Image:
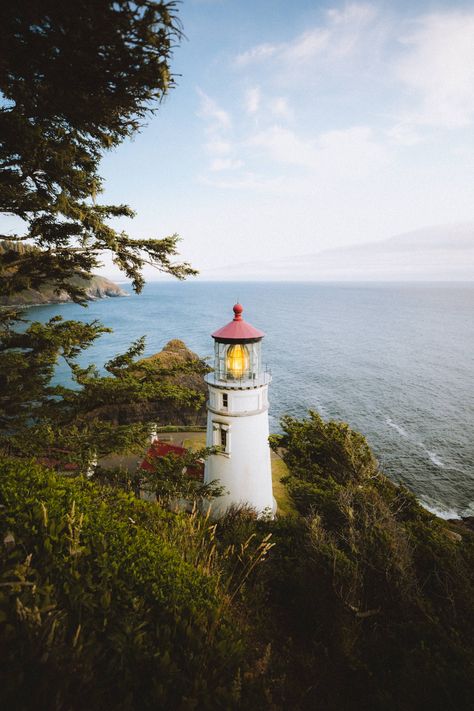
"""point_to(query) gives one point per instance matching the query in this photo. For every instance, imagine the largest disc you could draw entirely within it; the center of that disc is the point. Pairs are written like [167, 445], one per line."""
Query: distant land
[96, 287]
[441, 253]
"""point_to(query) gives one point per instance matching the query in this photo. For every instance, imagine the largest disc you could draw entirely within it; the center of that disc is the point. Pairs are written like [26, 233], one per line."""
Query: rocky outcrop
[96, 287]
[176, 365]
[462, 525]
[100, 287]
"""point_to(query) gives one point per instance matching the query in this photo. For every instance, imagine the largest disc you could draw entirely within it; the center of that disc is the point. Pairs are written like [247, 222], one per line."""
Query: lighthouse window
[225, 400]
[221, 437]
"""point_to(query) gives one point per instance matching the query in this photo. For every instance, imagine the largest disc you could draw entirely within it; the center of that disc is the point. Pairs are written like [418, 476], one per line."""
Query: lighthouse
[237, 419]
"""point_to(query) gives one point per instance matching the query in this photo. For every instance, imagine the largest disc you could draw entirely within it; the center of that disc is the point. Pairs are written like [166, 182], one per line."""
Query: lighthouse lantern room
[237, 419]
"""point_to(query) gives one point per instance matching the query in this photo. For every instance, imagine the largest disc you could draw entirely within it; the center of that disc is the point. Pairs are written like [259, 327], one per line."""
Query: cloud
[281, 108]
[404, 134]
[219, 124]
[262, 106]
[306, 46]
[336, 37]
[353, 13]
[252, 100]
[284, 146]
[218, 146]
[256, 54]
[210, 110]
[219, 164]
[246, 181]
[437, 69]
[346, 154]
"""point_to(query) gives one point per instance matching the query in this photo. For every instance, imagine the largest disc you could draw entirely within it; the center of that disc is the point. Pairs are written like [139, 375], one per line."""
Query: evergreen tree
[76, 79]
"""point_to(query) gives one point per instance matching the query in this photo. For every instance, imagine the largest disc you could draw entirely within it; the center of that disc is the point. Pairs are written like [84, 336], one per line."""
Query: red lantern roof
[238, 329]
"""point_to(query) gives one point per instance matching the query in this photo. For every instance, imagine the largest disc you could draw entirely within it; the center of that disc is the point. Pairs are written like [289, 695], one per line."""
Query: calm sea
[394, 361]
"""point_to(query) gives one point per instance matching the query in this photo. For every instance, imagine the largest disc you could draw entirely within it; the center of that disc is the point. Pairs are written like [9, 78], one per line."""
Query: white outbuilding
[237, 419]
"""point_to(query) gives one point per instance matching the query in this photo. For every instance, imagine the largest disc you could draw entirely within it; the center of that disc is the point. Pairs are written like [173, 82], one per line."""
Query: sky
[303, 126]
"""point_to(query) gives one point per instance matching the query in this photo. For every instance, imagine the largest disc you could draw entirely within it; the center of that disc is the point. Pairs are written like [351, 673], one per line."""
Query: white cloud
[341, 154]
[219, 125]
[307, 45]
[247, 181]
[257, 105]
[325, 145]
[438, 70]
[210, 110]
[340, 33]
[219, 146]
[354, 13]
[283, 145]
[281, 108]
[258, 53]
[219, 164]
[404, 134]
[252, 100]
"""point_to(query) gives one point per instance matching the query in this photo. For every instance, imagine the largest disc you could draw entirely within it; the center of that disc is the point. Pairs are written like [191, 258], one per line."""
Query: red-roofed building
[158, 449]
[58, 459]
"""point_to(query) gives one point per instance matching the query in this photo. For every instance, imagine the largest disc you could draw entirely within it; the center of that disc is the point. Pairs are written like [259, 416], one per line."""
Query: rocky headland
[182, 398]
[96, 287]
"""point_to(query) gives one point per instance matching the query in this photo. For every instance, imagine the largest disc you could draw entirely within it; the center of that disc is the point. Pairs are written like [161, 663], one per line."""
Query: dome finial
[238, 308]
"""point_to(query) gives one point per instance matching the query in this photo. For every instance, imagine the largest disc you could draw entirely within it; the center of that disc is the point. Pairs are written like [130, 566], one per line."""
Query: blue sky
[301, 126]
[297, 127]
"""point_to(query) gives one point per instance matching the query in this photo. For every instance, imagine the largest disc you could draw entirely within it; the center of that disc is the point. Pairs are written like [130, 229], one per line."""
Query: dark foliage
[75, 80]
[107, 602]
[364, 601]
[370, 597]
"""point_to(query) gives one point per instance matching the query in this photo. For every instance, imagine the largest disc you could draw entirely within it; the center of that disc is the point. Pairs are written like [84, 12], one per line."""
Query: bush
[107, 601]
[373, 595]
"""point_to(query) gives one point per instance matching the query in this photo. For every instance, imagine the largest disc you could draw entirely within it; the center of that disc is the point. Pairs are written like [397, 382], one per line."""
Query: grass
[196, 443]
[279, 470]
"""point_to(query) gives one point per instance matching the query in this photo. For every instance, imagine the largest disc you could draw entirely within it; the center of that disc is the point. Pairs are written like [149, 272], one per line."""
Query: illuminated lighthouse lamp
[238, 350]
[237, 419]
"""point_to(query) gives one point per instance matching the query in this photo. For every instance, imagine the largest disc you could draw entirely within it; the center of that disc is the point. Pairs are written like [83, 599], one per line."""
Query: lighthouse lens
[237, 361]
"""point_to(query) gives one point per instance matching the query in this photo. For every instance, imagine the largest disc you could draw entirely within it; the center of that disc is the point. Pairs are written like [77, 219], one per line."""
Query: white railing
[248, 381]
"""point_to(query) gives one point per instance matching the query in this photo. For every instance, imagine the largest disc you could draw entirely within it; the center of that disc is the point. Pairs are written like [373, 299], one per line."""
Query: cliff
[96, 287]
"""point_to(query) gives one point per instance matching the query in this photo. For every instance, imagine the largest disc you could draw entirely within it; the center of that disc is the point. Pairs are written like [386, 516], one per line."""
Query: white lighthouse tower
[237, 419]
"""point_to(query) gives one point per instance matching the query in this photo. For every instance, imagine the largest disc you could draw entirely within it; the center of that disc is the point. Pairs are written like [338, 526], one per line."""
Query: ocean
[395, 361]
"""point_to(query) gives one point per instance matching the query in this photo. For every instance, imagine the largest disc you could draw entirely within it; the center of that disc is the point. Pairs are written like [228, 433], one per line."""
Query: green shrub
[107, 601]
[372, 595]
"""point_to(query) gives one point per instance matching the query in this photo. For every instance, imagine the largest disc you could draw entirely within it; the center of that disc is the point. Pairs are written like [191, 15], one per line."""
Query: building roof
[56, 458]
[161, 449]
[237, 329]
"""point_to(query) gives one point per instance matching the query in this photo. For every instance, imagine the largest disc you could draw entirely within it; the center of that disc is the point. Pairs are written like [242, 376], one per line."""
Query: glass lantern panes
[237, 361]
